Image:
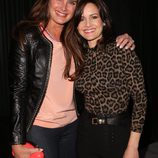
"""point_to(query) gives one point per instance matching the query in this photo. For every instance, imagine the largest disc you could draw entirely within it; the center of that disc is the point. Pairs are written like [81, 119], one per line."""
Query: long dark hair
[38, 14]
[74, 44]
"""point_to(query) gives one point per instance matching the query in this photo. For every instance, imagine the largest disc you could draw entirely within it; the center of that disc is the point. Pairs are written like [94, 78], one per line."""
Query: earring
[104, 24]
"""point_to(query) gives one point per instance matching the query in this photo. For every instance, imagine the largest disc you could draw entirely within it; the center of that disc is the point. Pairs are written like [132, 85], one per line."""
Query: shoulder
[33, 34]
[24, 31]
[124, 56]
[112, 47]
[25, 37]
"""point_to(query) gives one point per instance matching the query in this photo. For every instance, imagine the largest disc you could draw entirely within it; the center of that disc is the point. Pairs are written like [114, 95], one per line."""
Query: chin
[62, 21]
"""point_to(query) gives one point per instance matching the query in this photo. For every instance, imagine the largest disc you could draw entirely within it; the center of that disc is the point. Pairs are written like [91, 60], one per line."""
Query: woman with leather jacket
[41, 82]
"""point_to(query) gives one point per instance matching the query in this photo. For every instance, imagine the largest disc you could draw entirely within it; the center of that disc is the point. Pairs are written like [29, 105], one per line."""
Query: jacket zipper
[44, 89]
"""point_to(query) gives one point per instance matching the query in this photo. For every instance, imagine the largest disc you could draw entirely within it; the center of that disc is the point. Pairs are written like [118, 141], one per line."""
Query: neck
[92, 44]
[55, 30]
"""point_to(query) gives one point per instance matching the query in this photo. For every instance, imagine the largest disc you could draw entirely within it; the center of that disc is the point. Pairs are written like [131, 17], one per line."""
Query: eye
[73, 2]
[94, 17]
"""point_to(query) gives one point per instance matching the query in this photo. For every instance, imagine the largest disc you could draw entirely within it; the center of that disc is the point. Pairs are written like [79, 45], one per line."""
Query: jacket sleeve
[18, 69]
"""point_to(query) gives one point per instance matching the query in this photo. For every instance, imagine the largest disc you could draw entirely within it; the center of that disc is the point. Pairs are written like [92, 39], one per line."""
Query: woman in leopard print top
[109, 78]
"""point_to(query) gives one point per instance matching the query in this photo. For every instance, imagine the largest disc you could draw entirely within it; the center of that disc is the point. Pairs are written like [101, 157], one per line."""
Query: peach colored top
[58, 108]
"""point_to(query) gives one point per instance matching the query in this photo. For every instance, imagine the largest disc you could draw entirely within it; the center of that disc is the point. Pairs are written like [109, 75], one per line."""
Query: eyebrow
[72, 0]
[91, 14]
[94, 14]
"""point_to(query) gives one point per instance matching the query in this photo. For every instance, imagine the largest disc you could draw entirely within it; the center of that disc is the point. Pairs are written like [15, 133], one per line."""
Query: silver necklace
[50, 35]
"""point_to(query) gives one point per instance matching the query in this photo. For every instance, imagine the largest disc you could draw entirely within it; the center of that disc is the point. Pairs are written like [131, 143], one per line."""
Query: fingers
[127, 44]
[120, 38]
[34, 150]
[21, 151]
[125, 41]
[130, 45]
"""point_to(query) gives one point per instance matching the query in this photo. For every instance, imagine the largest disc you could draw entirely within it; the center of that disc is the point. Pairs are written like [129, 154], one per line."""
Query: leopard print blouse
[111, 77]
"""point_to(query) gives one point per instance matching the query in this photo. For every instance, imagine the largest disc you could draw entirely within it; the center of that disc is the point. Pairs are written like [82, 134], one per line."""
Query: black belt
[109, 120]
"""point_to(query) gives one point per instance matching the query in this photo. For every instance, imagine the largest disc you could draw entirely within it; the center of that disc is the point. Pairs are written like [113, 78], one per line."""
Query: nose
[87, 22]
[64, 4]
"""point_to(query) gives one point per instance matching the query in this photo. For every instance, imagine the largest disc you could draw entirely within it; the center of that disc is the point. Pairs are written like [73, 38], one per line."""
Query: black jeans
[56, 142]
[101, 141]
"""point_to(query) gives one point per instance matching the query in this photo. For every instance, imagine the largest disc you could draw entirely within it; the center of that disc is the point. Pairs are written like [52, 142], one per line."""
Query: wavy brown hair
[75, 45]
[38, 14]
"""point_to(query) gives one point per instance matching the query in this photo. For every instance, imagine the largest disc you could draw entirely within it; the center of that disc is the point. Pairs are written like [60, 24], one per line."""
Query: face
[91, 24]
[61, 11]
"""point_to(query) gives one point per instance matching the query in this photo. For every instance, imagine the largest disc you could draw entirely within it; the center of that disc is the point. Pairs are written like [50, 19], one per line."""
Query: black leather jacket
[29, 72]
[29, 75]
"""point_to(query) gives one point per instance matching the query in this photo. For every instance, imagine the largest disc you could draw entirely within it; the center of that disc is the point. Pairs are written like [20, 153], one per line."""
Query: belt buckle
[94, 121]
[102, 121]
[99, 121]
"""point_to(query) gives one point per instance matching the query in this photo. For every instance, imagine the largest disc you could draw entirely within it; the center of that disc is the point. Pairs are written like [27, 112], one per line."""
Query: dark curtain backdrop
[138, 18]
[11, 11]
[150, 57]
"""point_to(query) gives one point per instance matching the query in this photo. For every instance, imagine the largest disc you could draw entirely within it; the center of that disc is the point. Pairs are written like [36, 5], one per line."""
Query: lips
[61, 14]
[89, 30]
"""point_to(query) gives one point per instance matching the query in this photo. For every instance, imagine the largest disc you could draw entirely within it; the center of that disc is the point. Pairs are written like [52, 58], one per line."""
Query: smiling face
[91, 25]
[61, 11]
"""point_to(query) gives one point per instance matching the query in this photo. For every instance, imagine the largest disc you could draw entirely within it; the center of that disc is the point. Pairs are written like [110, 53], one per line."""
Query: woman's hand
[132, 147]
[125, 41]
[131, 152]
[23, 152]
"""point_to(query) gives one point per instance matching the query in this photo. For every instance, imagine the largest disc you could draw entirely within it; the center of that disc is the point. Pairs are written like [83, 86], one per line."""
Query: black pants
[56, 142]
[101, 141]
[152, 151]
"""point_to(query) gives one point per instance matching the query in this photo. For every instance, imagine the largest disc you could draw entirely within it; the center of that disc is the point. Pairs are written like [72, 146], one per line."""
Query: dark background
[137, 18]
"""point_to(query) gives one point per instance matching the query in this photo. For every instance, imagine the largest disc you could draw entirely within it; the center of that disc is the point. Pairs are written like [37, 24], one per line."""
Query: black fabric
[120, 12]
[101, 141]
[10, 13]
[79, 98]
[30, 69]
[119, 119]
[152, 151]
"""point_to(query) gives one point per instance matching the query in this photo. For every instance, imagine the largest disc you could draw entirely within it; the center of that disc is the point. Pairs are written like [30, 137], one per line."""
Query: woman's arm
[18, 82]
[132, 147]
[17, 85]
[139, 97]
